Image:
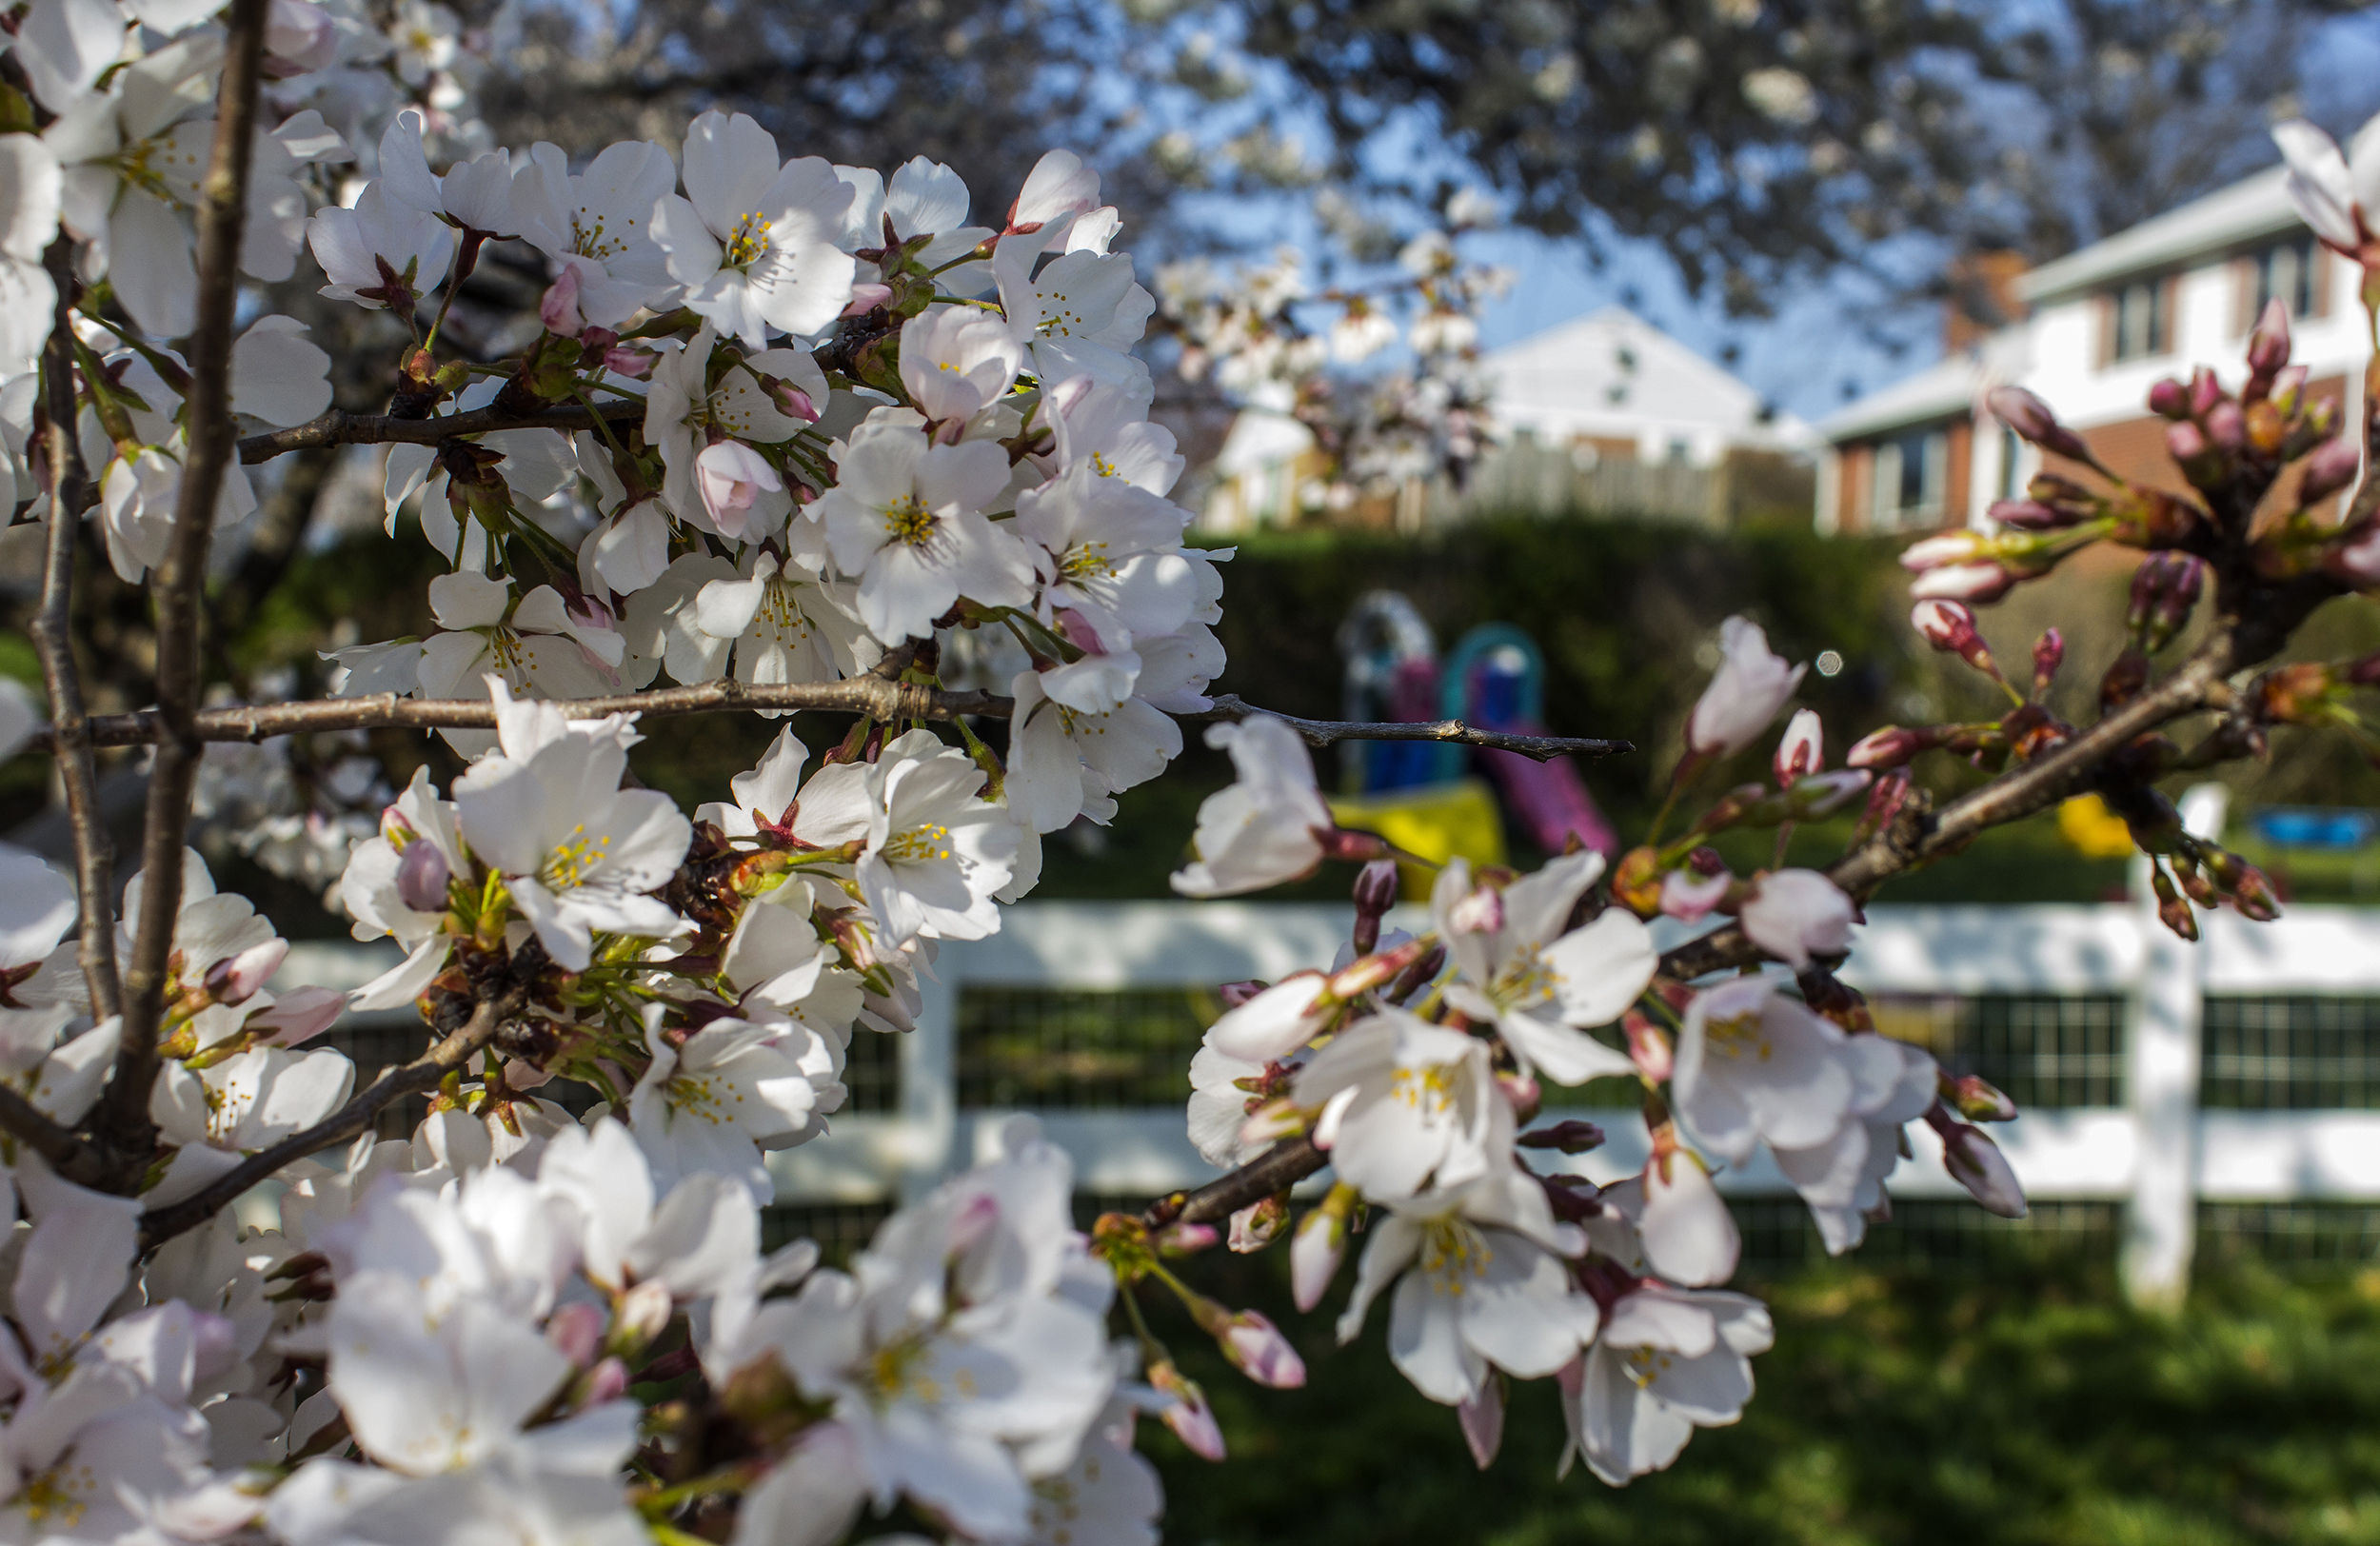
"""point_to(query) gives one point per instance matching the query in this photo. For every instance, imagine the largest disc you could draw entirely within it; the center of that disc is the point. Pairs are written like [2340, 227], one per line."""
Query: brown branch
[1276, 1170]
[2011, 796]
[337, 428]
[53, 629]
[861, 695]
[498, 1003]
[123, 1124]
[1331, 732]
[869, 694]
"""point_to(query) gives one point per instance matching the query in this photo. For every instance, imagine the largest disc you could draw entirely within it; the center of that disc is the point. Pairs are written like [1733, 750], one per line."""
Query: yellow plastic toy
[1435, 821]
[2095, 831]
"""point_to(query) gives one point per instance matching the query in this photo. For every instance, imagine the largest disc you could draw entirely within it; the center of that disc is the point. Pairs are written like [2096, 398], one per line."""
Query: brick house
[2090, 333]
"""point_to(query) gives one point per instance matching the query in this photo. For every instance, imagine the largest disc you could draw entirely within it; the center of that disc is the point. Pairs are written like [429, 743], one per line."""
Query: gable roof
[1612, 373]
[2252, 210]
[1941, 390]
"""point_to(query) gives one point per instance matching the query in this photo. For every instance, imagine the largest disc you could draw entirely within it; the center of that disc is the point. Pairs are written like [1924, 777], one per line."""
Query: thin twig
[869, 694]
[124, 1124]
[1331, 732]
[53, 629]
[337, 428]
[347, 1122]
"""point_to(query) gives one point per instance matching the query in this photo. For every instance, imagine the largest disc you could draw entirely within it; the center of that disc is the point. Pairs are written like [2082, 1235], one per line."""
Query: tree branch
[53, 629]
[1331, 732]
[2011, 796]
[124, 1126]
[1277, 1169]
[869, 694]
[337, 428]
[349, 1122]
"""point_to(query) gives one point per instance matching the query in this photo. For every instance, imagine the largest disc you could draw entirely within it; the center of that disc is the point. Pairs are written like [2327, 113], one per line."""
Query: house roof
[1942, 389]
[2252, 209]
[1612, 373]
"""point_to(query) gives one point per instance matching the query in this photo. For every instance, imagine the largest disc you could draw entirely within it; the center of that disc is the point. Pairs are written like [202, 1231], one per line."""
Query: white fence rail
[2157, 1153]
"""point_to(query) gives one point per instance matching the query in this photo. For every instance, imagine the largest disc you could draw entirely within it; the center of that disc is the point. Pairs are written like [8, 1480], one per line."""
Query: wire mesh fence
[2290, 1237]
[2046, 1051]
[1072, 1049]
[1778, 1237]
[2303, 1053]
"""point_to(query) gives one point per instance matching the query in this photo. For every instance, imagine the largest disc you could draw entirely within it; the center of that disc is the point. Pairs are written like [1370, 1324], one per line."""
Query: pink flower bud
[1965, 582]
[641, 1314]
[2356, 559]
[423, 877]
[298, 1017]
[2185, 441]
[1649, 1047]
[632, 363]
[1185, 1240]
[867, 298]
[1259, 1224]
[1978, 1101]
[1320, 1245]
[2030, 417]
[1186, 1413]
[732, 477]
[2030, 515]
[796, 402]
[2205, 392]
[607, 1381]
[2269, 345]
[577, 1331]
[1483, 1419]
[559, 310]
[238, 979]
[1690, 897]
[1375, 893]
[1802, 748]
[1951, 548]
[2330, 467]
[1949, 625]
[2049, 653]
[2227, 425]
[1976, 1163]
[2170, 399]
[1339, 842]
[1256, 1349]
[1570, 1135]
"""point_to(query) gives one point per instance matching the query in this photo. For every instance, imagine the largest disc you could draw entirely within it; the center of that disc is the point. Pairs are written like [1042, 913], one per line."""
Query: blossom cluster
[1248, 329]
[1416, 1066]
[826, 433]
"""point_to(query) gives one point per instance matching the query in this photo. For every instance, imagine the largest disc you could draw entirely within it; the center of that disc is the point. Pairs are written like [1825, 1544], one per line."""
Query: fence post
[929, 1079]
[2162, 1048]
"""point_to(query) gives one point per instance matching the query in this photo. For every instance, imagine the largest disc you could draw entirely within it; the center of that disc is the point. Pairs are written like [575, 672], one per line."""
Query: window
[1911, 471]
[2140, 321]
[2289, 271]
[2011, 448]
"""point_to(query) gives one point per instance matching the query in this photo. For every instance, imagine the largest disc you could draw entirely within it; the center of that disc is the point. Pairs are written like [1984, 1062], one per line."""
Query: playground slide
[1549, 801]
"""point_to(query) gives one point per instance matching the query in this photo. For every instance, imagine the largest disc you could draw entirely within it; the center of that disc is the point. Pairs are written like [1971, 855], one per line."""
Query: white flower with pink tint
[1751, 685]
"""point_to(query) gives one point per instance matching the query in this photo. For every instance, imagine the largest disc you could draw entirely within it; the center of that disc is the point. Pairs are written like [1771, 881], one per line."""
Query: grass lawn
[2018, 1400]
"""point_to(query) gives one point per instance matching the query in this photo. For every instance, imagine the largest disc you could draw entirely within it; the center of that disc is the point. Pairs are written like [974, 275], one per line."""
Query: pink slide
[1549, 800]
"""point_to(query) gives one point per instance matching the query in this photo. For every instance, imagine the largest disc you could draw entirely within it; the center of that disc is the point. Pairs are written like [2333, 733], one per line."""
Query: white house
[1605, 411]
[2101, 326]
[1613, 381]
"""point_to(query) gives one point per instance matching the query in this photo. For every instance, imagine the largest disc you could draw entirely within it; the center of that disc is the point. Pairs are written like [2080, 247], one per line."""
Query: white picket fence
[2158, 1154]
